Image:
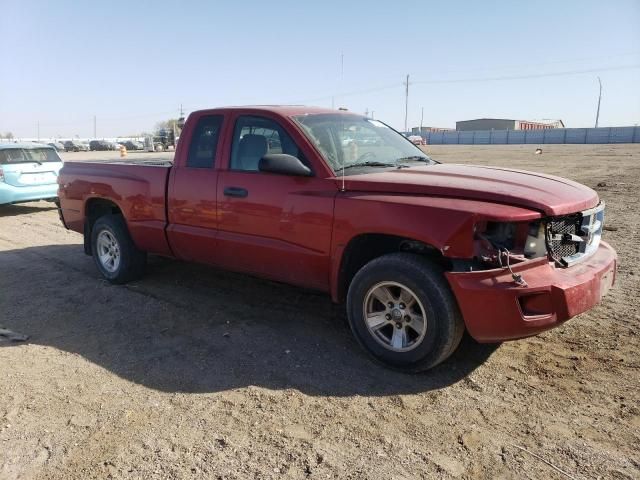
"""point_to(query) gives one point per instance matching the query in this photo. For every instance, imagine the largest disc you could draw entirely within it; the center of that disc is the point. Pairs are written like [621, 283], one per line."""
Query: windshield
[355, 141]
[28, 155]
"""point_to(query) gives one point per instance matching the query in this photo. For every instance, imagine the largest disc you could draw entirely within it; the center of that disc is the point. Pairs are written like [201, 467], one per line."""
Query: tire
[123, 262]
[394, 336]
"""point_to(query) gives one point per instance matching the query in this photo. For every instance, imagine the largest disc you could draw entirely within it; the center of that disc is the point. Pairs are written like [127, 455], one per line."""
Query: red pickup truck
[342, 203]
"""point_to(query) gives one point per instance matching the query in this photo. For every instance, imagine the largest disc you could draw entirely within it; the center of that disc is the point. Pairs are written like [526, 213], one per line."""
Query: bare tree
[167, 124]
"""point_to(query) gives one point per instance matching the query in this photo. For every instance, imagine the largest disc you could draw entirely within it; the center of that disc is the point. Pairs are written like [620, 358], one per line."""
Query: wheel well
[364, 248]
[94, 209]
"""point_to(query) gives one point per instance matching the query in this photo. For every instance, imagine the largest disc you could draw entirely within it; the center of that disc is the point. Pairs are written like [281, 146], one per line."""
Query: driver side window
[254, 137]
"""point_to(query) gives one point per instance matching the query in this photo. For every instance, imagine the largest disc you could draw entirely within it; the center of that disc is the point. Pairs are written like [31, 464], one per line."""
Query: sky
[131, 64]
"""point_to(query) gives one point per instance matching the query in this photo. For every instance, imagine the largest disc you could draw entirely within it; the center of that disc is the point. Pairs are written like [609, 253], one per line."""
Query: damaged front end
[563, 240]
[502, 245]
[572, 238]
[533, 275]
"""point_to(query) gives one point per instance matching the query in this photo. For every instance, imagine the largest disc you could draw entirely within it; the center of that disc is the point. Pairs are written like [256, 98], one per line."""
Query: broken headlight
[523, 239]
[535, 245]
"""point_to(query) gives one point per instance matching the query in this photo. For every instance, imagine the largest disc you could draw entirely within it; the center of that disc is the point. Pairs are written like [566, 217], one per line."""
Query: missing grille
[559, 233]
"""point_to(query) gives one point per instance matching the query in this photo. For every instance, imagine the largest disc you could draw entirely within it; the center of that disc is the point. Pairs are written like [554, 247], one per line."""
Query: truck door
[192, 200]
[272, 225]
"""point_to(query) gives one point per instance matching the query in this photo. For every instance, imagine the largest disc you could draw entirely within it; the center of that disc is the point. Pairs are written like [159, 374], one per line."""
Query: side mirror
[283, 164]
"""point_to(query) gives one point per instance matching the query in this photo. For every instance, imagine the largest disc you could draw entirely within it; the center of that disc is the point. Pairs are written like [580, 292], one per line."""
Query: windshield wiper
[415, 158]
[369, 164]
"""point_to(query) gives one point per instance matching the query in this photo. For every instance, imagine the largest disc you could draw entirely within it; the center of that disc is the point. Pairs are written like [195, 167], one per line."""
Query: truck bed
[137, 188]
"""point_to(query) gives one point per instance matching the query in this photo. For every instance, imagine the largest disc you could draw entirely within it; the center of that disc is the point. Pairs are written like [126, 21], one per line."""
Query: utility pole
[599, 98]
[94, 127]
[366, 112]
[372, 112]
[421, 119]
[406, 102]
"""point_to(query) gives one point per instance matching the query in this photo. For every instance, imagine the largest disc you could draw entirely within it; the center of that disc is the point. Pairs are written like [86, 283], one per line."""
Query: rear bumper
[12, 194]
[496, 309]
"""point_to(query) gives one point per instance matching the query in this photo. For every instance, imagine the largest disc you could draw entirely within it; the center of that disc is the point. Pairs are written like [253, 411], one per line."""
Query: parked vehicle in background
[418, 250]
[100, 145]
[132, 145]
[75, 146]
[59, 146]
[417, 140]
[164, 140]
[28, 172]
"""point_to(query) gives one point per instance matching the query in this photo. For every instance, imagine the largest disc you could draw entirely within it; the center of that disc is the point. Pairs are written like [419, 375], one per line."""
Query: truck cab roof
[284, 110]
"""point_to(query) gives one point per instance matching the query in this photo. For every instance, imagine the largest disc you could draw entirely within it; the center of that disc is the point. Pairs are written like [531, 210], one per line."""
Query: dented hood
[545, 193]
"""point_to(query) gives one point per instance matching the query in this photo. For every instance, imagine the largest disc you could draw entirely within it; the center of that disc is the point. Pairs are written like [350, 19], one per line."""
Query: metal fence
[554, 135]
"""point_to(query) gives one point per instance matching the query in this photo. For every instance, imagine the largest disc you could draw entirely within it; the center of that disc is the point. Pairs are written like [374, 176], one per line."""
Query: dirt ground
[197, 373]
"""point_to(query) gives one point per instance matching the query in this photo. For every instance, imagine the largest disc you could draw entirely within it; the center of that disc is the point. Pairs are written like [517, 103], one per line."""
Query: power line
[83, 121]
[491, 68]
[476, 79]
[144, 115]
[533, 75]
[539, 64]
[350, 93]
[380, 88]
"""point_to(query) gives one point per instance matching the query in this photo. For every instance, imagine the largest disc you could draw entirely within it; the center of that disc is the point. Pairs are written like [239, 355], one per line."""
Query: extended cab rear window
[204, 142]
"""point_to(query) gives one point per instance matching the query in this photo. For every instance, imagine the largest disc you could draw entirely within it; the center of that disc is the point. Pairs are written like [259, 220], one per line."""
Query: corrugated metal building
[416, 130]
[505, 124]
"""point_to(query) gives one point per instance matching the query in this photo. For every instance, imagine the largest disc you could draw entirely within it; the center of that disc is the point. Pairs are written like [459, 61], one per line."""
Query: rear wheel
[402, 311]
[114, 253]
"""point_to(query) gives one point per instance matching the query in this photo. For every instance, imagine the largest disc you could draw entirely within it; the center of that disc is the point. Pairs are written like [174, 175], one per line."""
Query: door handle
[236, 192]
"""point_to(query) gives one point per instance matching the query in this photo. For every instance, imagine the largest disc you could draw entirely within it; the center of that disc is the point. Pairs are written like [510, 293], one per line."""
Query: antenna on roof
[343, 171]
[342, 109]
[342, 153]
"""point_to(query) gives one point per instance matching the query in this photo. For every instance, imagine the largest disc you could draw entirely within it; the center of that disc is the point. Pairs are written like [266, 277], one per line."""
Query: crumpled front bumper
[495, 308]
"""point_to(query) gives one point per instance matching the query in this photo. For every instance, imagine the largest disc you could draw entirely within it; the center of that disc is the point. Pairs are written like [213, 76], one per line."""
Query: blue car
[28, 172]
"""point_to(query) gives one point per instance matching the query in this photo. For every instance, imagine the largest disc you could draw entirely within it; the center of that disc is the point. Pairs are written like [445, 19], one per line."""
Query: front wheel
[402, 311]
[114, 253]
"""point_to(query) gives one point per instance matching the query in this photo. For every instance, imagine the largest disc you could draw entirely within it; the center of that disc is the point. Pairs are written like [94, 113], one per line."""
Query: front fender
[446, 224]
